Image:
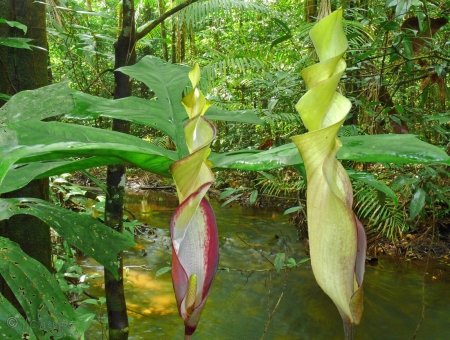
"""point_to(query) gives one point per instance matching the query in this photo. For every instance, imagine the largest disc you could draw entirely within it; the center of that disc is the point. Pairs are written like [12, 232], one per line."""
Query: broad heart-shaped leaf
[32, 141]
[12, 324]
[48, 312]
[84, 232]
[400, 149]
[167, 81]
[20, 175]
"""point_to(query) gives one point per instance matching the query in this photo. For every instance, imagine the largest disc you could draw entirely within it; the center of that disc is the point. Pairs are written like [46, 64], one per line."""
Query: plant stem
[349, 330]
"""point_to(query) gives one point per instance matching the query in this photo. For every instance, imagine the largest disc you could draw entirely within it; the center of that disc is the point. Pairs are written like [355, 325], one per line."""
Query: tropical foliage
[251, 55]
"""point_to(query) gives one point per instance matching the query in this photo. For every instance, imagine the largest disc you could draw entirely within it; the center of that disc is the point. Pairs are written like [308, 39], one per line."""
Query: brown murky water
[243, 297]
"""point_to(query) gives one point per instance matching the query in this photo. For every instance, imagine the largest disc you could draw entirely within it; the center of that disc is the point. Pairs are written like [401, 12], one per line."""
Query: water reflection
[242, 298]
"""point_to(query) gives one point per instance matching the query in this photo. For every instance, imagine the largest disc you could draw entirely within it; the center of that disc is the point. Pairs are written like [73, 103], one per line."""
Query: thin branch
[260, 252]
[7, 76]
[276, 305]
[423, 297]
[156, 22]
[96, 78]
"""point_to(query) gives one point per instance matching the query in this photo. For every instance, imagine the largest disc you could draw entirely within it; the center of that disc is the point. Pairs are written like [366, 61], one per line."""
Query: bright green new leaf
[253, 197]
[292, 210]
[417, 203]
[14, 24]
[280, 259]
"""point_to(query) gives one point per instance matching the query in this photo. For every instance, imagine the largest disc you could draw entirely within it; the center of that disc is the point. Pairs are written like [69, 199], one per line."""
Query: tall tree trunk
[20, 70]
[310, 10]
[115, 180]
[162, 9]
[174, 41]
[125, 54]
[324, 9]
[183, 37]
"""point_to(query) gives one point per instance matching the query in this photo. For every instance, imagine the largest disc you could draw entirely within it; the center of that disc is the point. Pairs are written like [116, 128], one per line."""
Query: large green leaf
[48, 312]
[244, 116]
[33, 141]
[152, 113]
[44, 102]
[401, 149]
[133, 109]
[84, 232]
[20, 175]
[13, 325]
[255, 160]
[391, 149]
[167, 81]
[165, 112]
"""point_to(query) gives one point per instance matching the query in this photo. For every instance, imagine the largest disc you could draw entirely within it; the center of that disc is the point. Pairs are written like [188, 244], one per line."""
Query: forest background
[251, 55]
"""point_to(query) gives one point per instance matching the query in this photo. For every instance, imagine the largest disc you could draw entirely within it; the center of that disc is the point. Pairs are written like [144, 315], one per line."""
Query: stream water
[396, 293]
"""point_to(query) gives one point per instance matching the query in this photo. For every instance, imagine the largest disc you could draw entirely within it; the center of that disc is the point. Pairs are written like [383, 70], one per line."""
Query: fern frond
[282, 117]
[275, 184]
[385, 218]
[196, 13]
[358, 34]
[348, 131]
[215, 70]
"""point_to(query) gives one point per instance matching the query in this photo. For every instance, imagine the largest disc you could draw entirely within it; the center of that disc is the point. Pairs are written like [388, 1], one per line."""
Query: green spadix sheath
[336, 237]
